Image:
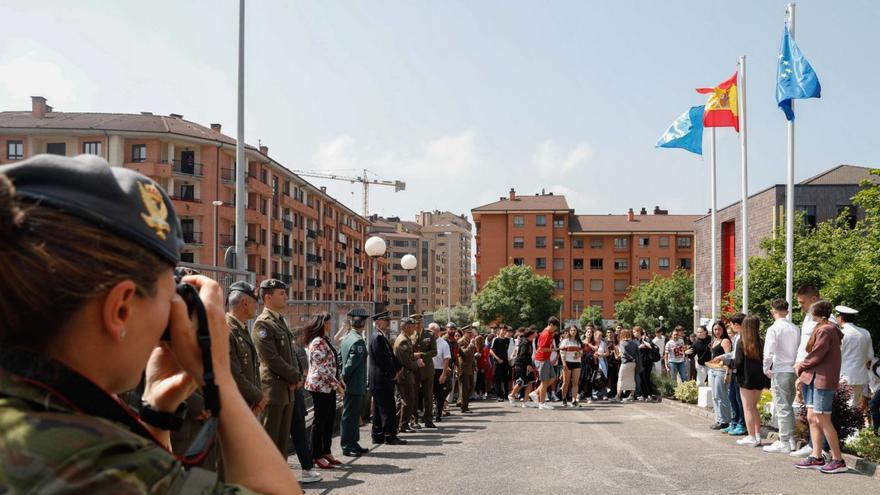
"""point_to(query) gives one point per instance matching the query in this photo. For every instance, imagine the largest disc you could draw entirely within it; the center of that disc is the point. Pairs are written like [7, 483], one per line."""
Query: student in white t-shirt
[571, 349]
[674, 356]
[660, 341]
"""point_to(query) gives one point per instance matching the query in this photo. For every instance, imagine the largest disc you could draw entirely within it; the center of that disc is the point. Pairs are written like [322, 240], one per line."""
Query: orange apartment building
[313, 242]
[593, 260]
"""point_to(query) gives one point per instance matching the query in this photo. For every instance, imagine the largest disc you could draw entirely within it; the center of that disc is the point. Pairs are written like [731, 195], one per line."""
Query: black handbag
[598, 380]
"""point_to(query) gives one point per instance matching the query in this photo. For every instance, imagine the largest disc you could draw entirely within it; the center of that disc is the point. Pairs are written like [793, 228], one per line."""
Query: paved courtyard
[615, 448]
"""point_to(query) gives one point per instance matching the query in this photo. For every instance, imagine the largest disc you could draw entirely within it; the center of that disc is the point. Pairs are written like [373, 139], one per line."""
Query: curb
[855, 463]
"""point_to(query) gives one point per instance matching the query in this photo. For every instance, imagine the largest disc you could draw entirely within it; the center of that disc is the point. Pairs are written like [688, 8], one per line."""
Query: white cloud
[550, 156]
[450, 155]
[337, 154]
[40, 71]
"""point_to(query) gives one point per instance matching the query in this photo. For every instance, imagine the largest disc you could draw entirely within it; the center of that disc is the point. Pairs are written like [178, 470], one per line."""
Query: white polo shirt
[780, 346]
[443, 353]
[853, 355]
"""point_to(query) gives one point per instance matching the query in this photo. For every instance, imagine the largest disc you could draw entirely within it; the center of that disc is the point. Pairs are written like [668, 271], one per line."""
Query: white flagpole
[240, 163]
[741, 91]
[714, 244]
[789, 194]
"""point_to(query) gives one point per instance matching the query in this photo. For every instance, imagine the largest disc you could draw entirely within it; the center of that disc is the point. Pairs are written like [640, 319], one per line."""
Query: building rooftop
[640, 223]
[542, 201]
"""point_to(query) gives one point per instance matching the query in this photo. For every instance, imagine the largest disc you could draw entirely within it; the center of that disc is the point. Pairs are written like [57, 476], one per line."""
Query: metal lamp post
[408, 263]
[217, 204]
[661, 321]
[375, 247]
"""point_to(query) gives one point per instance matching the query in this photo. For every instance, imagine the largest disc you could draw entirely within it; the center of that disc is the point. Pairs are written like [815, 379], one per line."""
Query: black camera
[188, 293]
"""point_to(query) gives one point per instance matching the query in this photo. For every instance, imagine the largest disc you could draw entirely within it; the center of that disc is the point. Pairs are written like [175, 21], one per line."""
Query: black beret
[115, 198]
[273, 283]
[243, 287]
[384, 315]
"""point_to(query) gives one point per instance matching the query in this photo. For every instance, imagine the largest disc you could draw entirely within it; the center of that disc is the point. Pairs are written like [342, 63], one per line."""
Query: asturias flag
[686, 132]
[721, 108]
[795, 78]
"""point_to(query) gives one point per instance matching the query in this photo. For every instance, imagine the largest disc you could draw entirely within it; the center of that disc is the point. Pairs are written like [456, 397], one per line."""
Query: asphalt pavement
[609, 448]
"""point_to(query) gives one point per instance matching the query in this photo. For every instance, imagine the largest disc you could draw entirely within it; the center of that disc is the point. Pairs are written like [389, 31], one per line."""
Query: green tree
[461, 315]
[669, 297]
[517, 297]
[591, 314]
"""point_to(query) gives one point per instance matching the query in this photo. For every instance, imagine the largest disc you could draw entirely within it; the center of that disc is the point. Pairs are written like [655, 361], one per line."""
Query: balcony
[227, 174]
[386, 288]
[358, 288]
[192, 237]
[287, 252]
[357, 250]
[341, 265]
[358, 269]
[341, 285]
[311, 234]
[188, 168]
[277, 250]
[313, 258]
[226, 240]
[313, 282]
[189, 198]
[288, 224]
[287, 279]
[343, 243]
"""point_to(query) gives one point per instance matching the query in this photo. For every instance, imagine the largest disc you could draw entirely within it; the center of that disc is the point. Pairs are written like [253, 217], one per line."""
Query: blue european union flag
[795, 78]
[686, 132]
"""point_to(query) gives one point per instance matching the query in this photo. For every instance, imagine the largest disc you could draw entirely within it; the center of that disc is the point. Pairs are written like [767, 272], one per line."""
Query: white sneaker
[512, 400]
[778, 447]
[534, 396]
[792, 444]
[749, 441]
[310, 476]
[545, 406]
[530, 404]
[804, 451]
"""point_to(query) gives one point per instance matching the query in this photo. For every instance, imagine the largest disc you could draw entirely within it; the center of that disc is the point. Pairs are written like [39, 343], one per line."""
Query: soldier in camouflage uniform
[406, 382]
[87, 252]
[425, 347]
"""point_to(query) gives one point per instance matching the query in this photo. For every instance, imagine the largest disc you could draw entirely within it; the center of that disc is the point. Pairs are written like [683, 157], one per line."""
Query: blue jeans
[680, 369]
[736, 405]
[720, 399]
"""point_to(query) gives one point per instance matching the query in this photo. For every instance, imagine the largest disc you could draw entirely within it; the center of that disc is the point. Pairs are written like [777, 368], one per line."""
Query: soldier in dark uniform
[87, 253]
[280, 373]
[406, 381]
[425, 347]
[383, 371]
[466, 364]
[354, 374]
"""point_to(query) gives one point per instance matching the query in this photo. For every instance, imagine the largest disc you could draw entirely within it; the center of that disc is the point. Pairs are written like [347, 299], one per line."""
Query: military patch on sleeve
[262, 333]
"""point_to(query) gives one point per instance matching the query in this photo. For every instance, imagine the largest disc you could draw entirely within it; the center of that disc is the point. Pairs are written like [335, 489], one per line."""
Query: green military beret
[273, 283]
[244, 287]
[115, 198]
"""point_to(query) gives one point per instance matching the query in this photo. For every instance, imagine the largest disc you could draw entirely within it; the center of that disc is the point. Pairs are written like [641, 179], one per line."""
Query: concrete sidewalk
[615, 448]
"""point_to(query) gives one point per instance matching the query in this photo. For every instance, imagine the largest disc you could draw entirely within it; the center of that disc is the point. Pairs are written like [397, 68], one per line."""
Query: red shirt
[544, 340]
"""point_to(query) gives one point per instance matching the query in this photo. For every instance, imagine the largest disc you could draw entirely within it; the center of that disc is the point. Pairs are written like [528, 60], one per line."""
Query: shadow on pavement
[402, 455]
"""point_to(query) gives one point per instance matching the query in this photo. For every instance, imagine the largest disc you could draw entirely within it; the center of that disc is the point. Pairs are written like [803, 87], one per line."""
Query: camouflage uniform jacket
[47, 445]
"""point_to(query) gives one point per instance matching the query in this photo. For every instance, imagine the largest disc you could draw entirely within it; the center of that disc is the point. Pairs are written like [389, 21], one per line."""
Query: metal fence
[224, 276]
[298, 312]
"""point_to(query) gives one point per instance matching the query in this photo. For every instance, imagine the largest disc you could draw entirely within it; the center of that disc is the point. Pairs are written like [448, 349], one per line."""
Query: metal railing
[341, 265]
[192, 237]
[313, 258]
[227, 174]
[192, 169]
[313, 282]
[341, 285]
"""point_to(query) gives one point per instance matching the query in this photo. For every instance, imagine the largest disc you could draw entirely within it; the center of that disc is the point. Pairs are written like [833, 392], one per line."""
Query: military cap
[383, 315]
[416, 317]
[846, 310]
[451, 325]
[114, 198]
[407, 320]
[467, 328]
[358, 313]
[244, 287]
[273, 283]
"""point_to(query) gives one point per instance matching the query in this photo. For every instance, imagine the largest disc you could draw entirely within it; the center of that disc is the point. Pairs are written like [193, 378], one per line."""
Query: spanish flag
[721, 108]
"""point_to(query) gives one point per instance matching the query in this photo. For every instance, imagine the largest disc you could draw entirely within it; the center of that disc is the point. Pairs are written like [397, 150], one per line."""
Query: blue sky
[465, 99]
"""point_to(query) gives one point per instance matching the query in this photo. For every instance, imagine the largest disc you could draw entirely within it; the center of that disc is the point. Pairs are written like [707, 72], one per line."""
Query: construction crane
[364, 179]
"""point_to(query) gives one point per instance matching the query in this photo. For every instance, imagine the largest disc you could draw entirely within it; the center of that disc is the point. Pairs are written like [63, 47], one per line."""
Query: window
[620, 285]
[14, 150]
[518, 242]
[684, 263]
[558, 243]
[558, 264]
[644, 263]
[577, 264]
[519, 261]
[596, 285]
[578, 307]
[188, 192]
[264, 177]
[56, 148]
[540, 220]
[138, 153]
[187, 257]
[644, 241]
[621, 243]
[663, 241]
[809, 212]
[558, 223]
[92, 148]
[596, 243]
[540, 262]
[848, 212]
[559, 283]
[596, 304]
[518, 221]
[596, 263]
[577, 285]
[540, 242]
[577, 243]
[663, 263]
[621, 264]
[683, 242]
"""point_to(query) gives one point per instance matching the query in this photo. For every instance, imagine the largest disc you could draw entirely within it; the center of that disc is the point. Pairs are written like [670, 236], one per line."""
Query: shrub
[665, 385]
[687, 392]
[764, 407]
[866, 445]
[847, 420]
